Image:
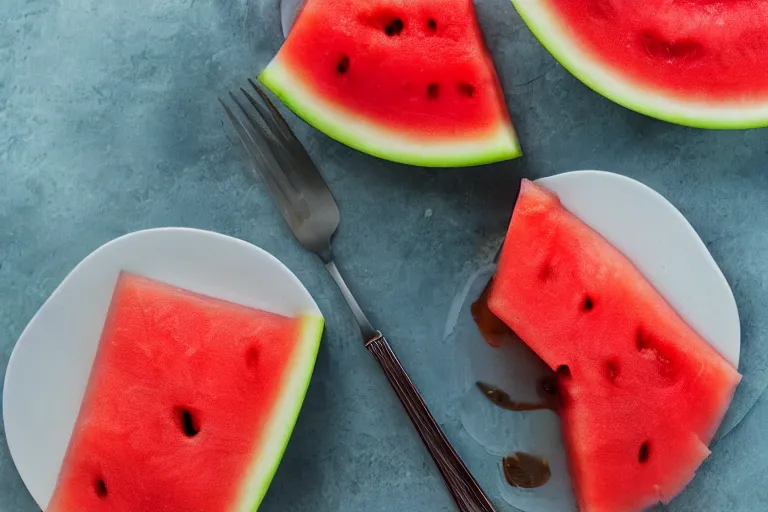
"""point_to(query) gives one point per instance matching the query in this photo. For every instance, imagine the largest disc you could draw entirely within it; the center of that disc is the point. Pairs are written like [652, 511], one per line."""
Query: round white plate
[49, 367]
[656, 237]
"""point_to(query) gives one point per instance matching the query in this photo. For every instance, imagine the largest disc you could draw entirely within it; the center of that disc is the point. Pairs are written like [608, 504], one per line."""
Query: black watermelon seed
[564, 371]
[432, 25]
[343, 65]
[466, 89]
[187, 422]
[645, 452]
[433, 90]
[100, 487]
[394, 27]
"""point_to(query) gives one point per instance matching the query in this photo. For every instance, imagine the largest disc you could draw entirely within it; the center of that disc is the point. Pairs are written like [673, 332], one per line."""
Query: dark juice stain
[520, 469]
[493, 330]
[525, 470]
[501, 399]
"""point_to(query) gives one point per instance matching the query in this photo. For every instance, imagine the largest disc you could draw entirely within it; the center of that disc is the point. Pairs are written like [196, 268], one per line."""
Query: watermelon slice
[642, 392]
[189, 405]
[696, 62]
[409, 81]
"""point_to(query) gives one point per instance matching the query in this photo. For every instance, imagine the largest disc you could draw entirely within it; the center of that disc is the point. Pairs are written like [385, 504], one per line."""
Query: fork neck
[366, 329]
[325, 254]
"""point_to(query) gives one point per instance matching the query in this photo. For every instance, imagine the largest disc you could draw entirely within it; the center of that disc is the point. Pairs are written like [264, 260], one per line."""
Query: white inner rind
[564, 45]
[277, 432]
[365, 135]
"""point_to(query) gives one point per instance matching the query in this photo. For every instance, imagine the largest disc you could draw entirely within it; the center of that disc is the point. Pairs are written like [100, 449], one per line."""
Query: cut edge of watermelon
[278, 431]
[383, 142]
[557, 38]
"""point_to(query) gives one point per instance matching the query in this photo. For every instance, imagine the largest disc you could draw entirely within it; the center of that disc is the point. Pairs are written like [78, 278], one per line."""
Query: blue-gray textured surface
[108, 124]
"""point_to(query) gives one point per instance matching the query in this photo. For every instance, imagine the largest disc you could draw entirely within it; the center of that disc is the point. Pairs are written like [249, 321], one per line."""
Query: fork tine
[297, 153]
[272, 166]
[242, 133]
[259, 159]
[280, 121]
[286, 154]
[250, 139]
[269, 123]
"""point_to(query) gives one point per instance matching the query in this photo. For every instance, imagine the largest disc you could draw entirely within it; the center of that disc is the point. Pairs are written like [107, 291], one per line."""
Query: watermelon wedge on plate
[699, 63]
[189, 406]
[411, 82]
[642, 393]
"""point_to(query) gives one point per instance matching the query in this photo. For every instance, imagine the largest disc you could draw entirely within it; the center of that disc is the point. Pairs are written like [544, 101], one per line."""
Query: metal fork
[310, 210]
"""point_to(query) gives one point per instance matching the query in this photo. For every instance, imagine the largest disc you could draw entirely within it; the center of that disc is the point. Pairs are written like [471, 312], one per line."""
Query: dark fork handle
[463, 486]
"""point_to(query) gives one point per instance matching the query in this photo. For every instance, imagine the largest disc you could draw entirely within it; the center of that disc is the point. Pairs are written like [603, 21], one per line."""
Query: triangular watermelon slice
[406, 80]
[189, 406]
[642, 392]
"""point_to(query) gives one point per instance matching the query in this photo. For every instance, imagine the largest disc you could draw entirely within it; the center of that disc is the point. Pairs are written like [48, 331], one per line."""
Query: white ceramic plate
[49, 367]
[656, 237]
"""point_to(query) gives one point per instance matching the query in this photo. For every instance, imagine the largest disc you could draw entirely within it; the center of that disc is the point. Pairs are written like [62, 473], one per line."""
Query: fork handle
[464, 488]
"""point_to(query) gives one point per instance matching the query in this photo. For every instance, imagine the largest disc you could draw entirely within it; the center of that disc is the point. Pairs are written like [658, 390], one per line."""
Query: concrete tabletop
[109, 123]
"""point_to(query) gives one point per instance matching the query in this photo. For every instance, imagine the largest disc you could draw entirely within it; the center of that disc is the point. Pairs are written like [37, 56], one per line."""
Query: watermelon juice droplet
[501, 398]
[526, 471]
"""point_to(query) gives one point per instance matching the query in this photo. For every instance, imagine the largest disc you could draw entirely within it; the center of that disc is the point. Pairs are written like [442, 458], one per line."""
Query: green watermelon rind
[383, 142]
[559, 40]
[278, 431]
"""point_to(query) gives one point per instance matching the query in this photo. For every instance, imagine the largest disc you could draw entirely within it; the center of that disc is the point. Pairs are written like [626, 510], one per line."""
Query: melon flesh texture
[189, 404]
[409, 81]
[699, 62]
[643, 394]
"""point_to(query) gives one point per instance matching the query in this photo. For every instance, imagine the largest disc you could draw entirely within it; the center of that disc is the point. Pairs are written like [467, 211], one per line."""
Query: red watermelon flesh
[406, 80]
[703, 49]
[189, 404]
[643, 393]
[443, 76]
